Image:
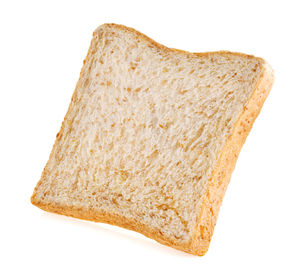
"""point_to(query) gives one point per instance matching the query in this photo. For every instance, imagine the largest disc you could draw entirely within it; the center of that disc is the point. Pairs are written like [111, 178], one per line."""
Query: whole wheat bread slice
[152, 136]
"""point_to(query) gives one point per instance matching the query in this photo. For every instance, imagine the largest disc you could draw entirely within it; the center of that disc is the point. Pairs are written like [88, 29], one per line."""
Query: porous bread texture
[144, 135]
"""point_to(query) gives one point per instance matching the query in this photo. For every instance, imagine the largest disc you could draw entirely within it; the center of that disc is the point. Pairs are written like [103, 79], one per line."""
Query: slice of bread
[152, 136]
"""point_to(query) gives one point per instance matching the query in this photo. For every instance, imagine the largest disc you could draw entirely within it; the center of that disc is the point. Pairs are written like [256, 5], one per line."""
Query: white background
[42, 47]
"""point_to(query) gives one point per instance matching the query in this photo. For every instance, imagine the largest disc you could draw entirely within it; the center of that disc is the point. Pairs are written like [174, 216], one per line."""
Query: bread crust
[212, 198]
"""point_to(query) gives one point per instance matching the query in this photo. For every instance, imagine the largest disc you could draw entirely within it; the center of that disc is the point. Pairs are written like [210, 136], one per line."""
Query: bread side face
[217, 183]
[144, 135]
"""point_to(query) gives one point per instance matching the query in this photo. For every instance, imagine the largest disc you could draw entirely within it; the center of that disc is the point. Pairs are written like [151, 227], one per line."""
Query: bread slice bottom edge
[97, 215]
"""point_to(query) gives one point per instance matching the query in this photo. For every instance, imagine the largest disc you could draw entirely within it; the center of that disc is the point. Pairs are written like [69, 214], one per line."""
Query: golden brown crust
[220, 178]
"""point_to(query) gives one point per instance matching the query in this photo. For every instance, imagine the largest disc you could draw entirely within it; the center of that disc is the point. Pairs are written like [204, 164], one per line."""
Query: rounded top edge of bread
[264, 64]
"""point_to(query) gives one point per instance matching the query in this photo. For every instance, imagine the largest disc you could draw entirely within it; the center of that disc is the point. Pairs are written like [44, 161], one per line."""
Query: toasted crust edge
[211, 202]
